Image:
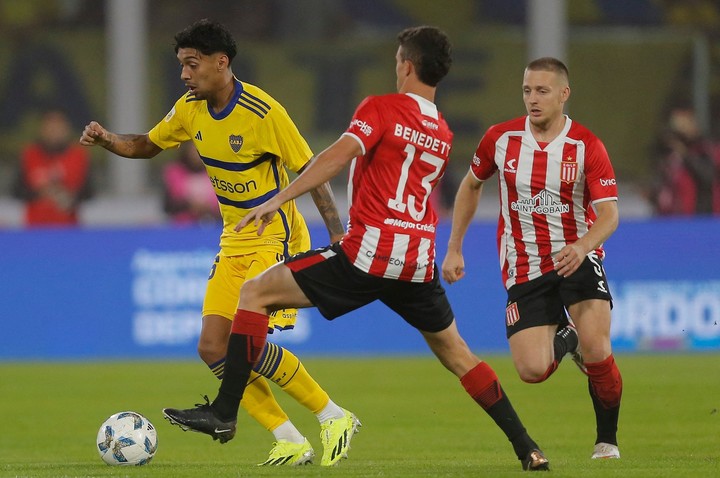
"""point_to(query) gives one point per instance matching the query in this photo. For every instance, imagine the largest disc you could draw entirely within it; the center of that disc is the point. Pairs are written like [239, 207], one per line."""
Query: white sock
[331, 410]
[288, 432]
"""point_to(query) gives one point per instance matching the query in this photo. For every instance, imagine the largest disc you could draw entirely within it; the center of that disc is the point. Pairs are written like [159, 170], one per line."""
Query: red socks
[606, 381]
[255, 327]
[482, 384]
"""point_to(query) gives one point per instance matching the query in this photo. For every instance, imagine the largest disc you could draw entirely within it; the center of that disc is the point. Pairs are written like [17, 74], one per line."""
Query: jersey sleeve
[599, 173]
[483, 162]
[282, 138]
[366, 124]
[170, 131]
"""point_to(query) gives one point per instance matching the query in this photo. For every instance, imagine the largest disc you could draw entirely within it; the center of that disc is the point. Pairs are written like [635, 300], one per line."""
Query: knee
[210, 351]
[250, 294]
[533, 373]
[595, 351]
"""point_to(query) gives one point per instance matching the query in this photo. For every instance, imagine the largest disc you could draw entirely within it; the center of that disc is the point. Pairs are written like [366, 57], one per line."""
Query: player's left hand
[453, 267]
[568, 260]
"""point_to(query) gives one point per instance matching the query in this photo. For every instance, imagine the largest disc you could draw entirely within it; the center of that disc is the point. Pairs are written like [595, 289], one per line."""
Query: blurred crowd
[53, 176]
[188, 194]
[686, 168]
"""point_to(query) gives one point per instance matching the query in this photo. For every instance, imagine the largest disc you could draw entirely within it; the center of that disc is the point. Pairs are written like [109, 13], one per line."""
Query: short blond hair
[548, 63]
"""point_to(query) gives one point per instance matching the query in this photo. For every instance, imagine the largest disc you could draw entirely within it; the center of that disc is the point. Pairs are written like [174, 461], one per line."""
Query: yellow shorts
[227, 276]
[229, 273]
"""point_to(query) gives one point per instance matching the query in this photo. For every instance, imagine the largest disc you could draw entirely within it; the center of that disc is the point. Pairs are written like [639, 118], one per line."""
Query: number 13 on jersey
[400, 202]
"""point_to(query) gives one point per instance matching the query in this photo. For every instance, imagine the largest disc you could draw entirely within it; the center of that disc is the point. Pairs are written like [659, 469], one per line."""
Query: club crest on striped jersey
[568, 170]
[512, 314]
[236, 142]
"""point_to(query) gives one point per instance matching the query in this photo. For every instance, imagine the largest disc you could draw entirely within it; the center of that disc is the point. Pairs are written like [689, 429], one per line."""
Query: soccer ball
[127, 438]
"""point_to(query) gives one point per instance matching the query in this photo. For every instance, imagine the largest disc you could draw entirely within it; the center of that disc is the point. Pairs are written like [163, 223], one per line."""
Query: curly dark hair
[429, 49]
[207, 37]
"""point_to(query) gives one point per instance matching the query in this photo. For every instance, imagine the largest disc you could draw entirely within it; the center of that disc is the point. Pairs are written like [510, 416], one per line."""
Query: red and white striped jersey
[406, 144]
[546, 192]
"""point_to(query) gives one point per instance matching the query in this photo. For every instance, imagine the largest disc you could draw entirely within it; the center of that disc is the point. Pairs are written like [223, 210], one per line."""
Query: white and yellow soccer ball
[127, 438]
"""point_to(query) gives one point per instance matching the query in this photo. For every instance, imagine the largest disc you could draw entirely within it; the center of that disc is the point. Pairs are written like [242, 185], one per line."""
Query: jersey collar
[233, 101]
[427, 107]
[560, 138]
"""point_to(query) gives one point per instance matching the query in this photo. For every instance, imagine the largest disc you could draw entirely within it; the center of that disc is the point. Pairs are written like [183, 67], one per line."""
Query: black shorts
[336, 287]
[543, 301]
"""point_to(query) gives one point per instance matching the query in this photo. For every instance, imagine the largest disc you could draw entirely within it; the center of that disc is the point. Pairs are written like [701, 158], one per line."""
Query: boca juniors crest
[236, 142]
[568, 170]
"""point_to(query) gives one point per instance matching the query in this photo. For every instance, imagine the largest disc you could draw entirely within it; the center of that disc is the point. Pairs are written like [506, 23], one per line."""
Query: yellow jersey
[246, 149]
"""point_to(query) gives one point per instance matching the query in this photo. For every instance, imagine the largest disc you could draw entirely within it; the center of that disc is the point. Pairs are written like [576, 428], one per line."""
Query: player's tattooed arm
[325, 203]
[127, 145]
[324, 200]
[132, 145]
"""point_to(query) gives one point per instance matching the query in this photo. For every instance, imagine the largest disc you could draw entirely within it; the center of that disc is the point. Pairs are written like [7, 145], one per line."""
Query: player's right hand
[261, 216]
[94, 134]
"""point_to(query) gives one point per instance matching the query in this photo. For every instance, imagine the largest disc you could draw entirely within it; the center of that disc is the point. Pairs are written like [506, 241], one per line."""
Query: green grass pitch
[417, 420]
